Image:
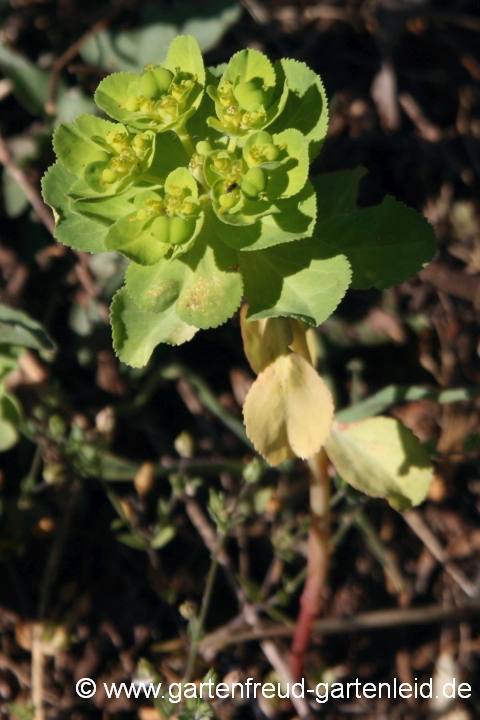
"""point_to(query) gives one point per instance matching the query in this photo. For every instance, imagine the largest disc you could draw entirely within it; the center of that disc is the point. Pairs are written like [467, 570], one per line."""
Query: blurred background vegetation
[113, 480]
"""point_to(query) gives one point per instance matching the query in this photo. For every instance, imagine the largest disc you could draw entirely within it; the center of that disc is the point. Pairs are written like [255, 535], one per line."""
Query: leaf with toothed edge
[82, 142]
[294, 218]
[337, 192]
[304, 280]
[136, 333]
[306, 107]
[204, 283]
[71, 229]
[385, 244]
[111, 94]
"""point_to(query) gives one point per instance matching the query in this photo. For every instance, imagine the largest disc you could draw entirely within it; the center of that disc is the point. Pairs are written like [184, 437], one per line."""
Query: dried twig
[31, 192]
[363, 622]
[416, 523]
[71, 53]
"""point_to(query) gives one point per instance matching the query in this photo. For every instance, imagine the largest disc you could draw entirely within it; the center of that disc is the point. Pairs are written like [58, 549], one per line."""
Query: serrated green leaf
[385, 244]
[288, 411]
[185, 55]
[204, 283]
[180, 177]
[304, 280]
[294, 218]
[291, 176]
[136, 333]
[103, 210]
[249, 64]
[71, 229]
[381, 458]
[112, 94]
[306, 107]
[83, 142]
[18, 328]
[337, 192]
[134, 240]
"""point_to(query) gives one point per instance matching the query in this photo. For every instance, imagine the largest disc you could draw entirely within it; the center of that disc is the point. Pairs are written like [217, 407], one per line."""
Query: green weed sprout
[201, 179]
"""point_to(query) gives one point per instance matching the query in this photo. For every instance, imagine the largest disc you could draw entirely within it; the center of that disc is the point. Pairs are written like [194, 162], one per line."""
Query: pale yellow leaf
[264, 340]
[288, 411]
[381, 457]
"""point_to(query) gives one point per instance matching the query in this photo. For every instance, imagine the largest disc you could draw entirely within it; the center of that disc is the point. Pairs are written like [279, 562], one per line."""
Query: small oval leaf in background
[381, 457]
[18, 328]
[10, 417]
[288, 411]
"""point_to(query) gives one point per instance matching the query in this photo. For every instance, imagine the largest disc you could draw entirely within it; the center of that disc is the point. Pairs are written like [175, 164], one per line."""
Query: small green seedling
[201, 179]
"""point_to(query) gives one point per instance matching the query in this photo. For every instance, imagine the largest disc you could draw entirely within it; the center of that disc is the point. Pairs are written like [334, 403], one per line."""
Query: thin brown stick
[31, 192]
[71, 53]
[37, 671]
[363, 622]
[416, 523]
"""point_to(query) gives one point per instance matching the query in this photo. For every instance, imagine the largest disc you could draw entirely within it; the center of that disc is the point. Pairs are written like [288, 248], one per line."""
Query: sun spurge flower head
[200, 179]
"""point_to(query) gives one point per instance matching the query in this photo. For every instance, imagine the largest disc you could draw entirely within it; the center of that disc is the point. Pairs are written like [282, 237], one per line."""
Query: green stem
[379, 551]
[187, 143]
[232, 144]
[204, 609]
[208, 400]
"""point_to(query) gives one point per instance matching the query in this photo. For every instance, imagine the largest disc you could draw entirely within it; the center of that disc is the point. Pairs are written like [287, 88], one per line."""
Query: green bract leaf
[248, 96]
[292, 218]
[136, 333]
[304, 280]
[337, 192]
[147, 235]
[204, 283]
[133, 238]
[385, 244]
[184, 54]
[162, 97]
[83, 142]
[382, 458]
[288, 411]
[112, 94]
[306, 107]
[103, 210]
[73, 230]
[105, 156]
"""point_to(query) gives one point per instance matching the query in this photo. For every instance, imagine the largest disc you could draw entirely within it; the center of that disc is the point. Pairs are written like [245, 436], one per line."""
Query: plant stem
[313, 595]
[232, 144]
[204, 609]
[187, 143]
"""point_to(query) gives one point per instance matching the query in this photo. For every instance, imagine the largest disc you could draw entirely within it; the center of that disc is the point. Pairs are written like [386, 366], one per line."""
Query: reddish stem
[313, 596]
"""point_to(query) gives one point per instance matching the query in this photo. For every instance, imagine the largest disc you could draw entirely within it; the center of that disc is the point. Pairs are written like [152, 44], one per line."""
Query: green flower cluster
[200, 179]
